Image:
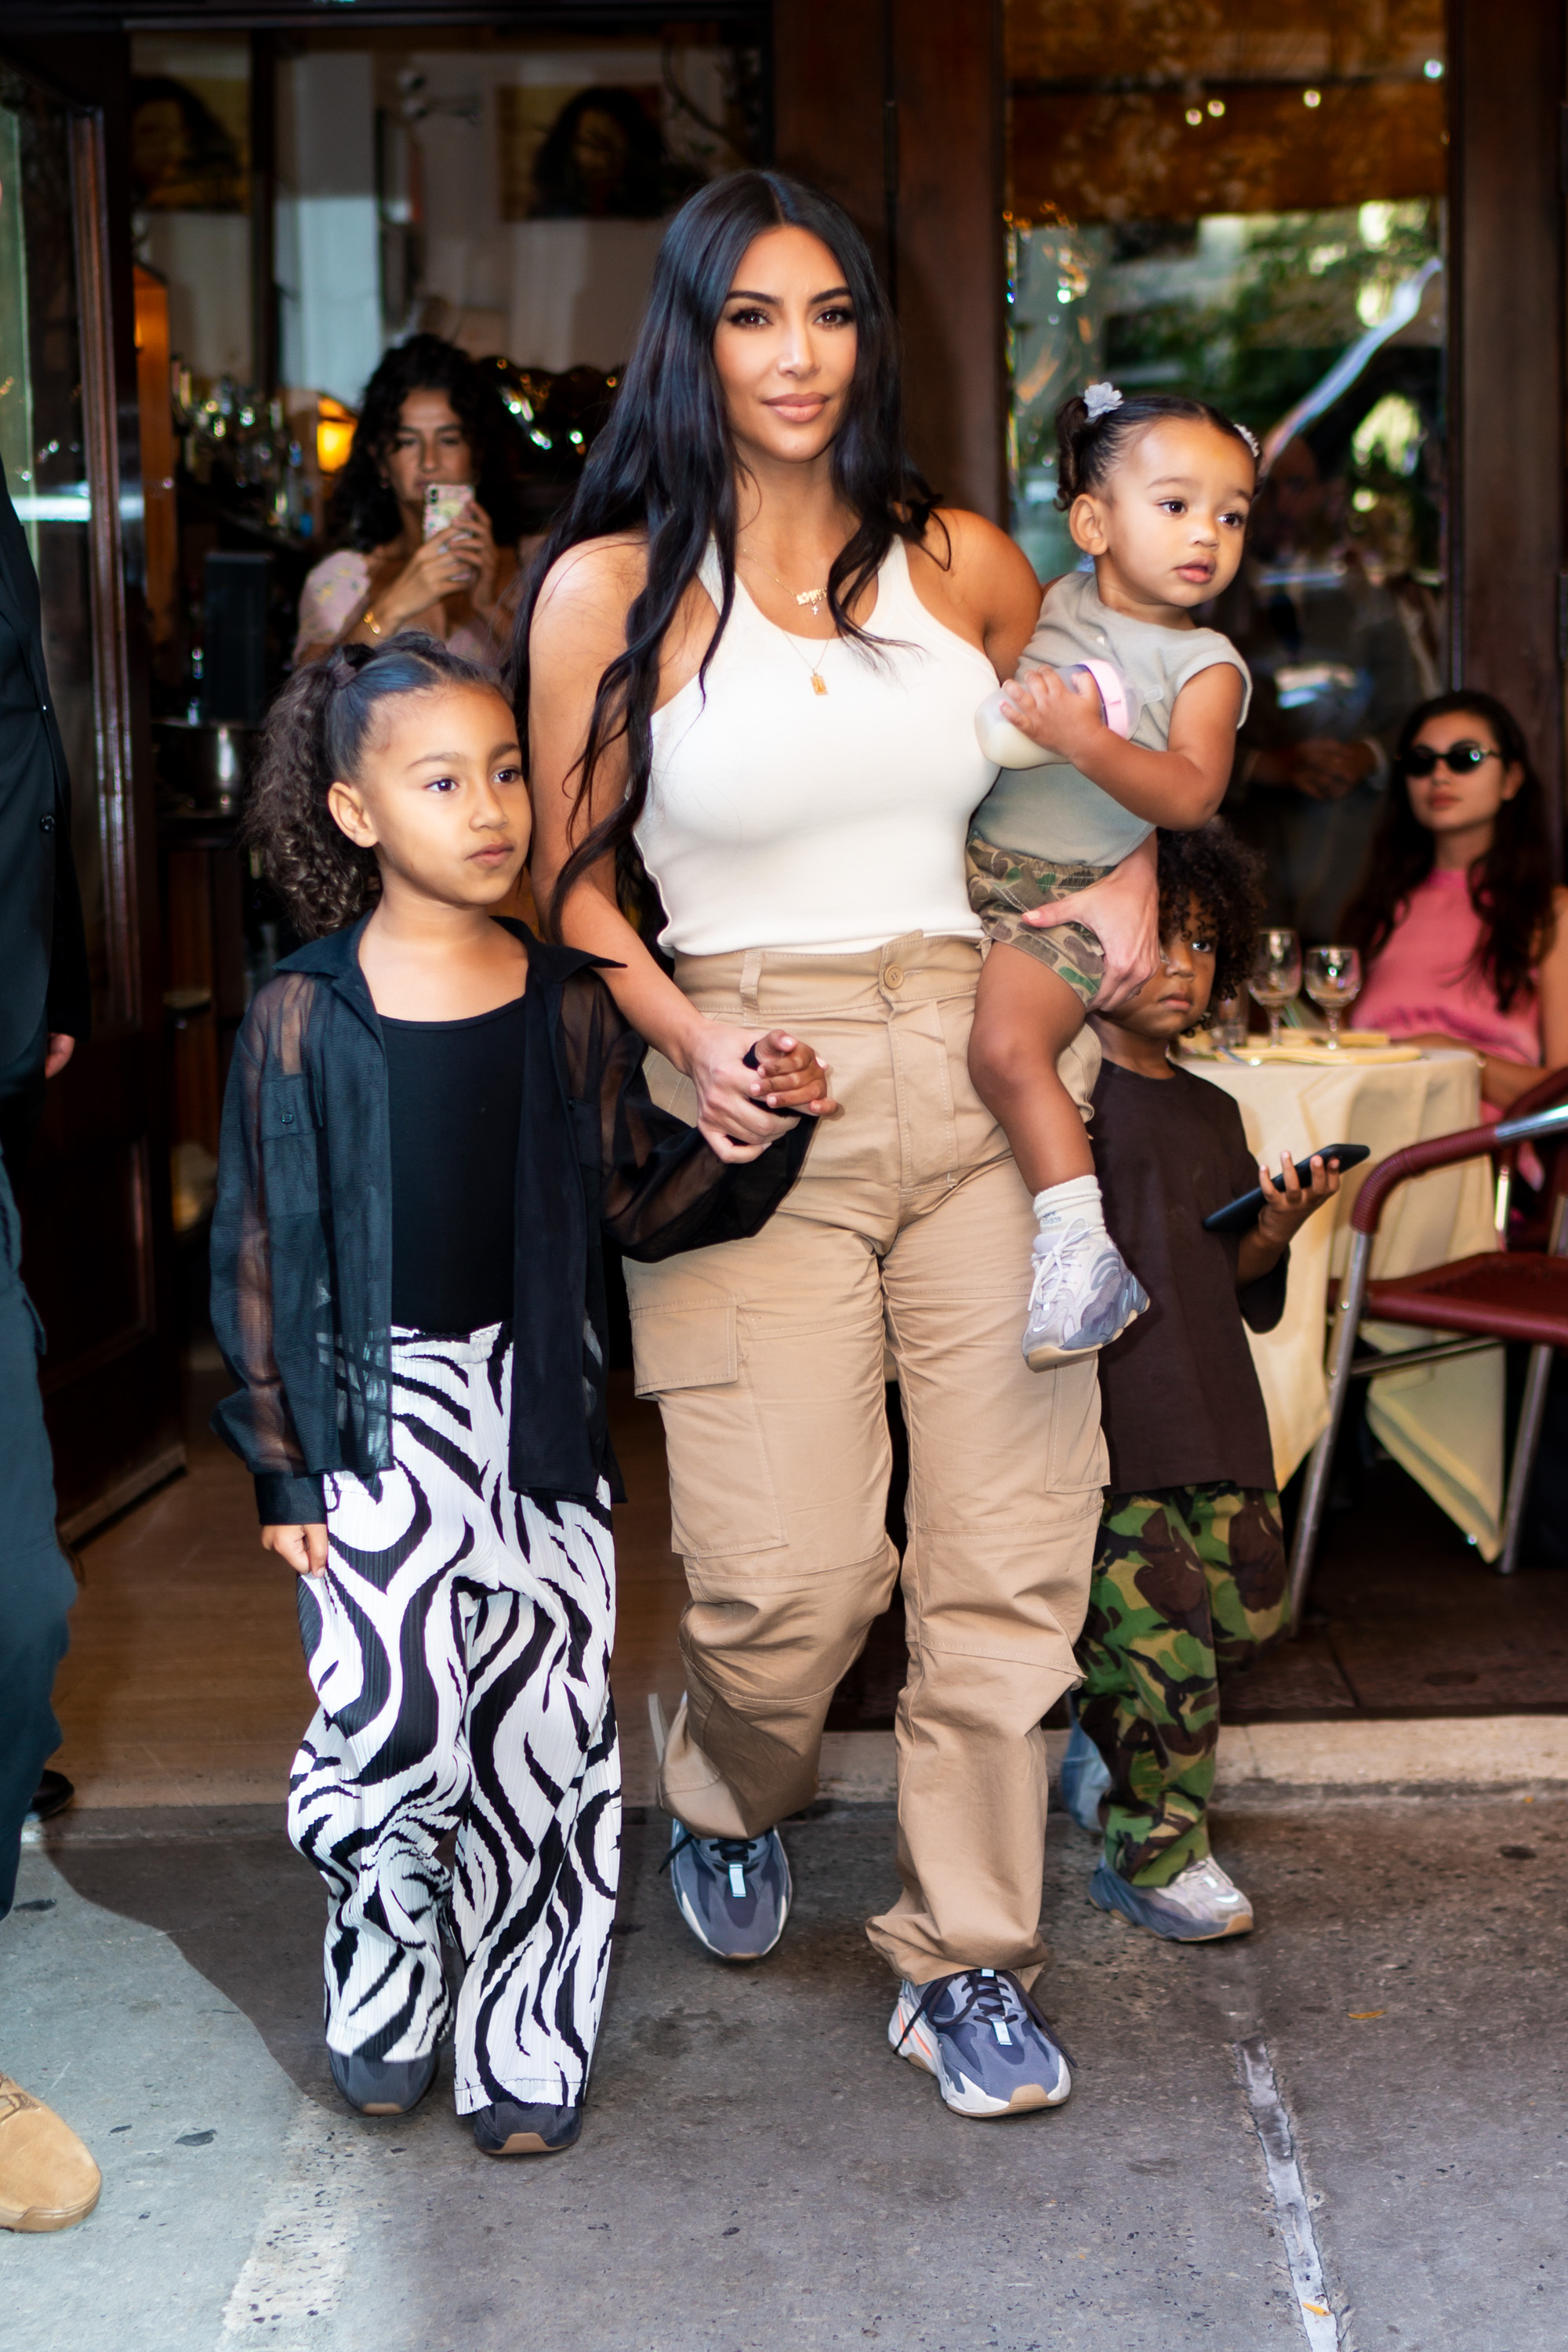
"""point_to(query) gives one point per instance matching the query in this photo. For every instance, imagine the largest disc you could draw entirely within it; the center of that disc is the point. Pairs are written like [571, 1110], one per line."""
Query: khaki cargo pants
[909, 1233]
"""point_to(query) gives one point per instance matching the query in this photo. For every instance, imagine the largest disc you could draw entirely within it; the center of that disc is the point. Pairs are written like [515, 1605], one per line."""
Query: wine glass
[1228, 1023]
[1276, 975]
[1333, 981]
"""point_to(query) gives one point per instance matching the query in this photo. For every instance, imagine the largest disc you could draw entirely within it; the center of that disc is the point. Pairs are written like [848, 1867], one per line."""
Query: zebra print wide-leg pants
[459, 1646]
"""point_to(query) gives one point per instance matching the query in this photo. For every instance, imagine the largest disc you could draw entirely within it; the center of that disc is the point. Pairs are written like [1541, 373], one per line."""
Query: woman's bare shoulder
[597, 579]
[972, 575]
[985, 569]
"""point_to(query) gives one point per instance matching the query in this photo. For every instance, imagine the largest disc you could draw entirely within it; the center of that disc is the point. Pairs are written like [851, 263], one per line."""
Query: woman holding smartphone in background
[429, 423]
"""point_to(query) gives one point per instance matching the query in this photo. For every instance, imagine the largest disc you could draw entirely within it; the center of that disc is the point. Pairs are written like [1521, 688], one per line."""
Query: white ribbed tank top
[778, 817]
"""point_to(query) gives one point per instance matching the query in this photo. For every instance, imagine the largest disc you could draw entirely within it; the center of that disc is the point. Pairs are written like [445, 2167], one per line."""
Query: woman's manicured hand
[732, 1096]
[471, 536]
[443, 567]
[1123, 913]
[304, 1549]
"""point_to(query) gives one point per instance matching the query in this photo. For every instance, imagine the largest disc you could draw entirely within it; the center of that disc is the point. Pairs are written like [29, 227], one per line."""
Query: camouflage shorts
[1004, 885]
[1189, 1584]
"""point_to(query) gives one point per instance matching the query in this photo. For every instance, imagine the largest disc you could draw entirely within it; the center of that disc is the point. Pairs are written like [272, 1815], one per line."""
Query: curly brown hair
[316, 733]
[364, 509]
[1224, 878]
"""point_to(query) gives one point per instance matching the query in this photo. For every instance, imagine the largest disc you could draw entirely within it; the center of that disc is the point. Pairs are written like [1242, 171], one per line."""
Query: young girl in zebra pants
[430, 1120]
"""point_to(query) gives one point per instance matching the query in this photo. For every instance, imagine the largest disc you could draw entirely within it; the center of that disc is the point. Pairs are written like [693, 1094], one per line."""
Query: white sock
[1079, 1199]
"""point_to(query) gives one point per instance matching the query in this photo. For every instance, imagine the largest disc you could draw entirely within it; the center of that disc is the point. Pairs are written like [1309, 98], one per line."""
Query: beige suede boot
[47, 2181]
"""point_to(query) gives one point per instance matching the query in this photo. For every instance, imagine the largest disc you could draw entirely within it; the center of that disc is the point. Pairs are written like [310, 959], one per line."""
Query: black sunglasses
[1459, 759]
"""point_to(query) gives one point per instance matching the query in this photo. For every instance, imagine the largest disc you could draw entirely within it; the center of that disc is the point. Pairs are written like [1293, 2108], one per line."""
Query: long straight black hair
[1511, 883]
[666, 465]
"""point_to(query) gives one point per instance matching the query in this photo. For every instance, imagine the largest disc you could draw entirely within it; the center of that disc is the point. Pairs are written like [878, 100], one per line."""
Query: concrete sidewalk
[757, 2171]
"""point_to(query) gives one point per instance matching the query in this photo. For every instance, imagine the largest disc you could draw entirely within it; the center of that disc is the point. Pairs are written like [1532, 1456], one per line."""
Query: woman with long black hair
[1459, 920]
[755, 649]
[428, 417]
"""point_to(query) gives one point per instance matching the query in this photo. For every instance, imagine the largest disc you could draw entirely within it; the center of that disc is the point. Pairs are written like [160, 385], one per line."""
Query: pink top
[1424, 978]
[338, 580]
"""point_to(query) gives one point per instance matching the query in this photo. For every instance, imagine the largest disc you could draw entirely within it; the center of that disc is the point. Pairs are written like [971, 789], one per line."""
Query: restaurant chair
[1501, 1295]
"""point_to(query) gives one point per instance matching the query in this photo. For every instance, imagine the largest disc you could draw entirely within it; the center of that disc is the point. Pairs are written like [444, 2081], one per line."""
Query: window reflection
[1259, 219]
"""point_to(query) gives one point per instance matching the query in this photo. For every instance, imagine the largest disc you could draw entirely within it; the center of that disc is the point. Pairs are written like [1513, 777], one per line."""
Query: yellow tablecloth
[1442, 1422]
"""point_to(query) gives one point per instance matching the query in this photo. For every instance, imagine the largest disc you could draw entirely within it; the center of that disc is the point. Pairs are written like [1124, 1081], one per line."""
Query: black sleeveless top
[455, 1108]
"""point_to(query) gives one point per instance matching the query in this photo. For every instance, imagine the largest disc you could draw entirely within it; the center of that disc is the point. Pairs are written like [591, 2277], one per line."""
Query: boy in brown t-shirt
[1189, 1572]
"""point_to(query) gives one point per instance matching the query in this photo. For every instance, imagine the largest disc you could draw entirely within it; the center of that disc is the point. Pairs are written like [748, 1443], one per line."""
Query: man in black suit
[45, 996]
[47, 2180]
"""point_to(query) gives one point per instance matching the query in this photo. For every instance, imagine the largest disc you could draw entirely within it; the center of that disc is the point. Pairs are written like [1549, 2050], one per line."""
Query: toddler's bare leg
[1025, 1015]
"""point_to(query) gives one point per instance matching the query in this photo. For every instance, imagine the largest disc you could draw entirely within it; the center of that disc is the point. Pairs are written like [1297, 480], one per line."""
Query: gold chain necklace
[814, 597]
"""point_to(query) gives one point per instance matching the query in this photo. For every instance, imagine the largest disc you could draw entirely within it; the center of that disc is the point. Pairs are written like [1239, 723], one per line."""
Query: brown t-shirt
[1179, 1399]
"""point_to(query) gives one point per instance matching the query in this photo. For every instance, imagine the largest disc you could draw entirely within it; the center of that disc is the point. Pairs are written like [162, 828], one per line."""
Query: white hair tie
[1100, 399]
[1251, 440]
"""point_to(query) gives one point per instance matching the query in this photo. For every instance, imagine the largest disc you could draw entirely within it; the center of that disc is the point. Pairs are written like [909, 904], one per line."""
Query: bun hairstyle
[1093, 434]
[316, 733]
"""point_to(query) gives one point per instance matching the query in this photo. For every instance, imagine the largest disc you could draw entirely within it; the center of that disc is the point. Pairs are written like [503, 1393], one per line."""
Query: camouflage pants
[1189, 1584]
[1004, 885]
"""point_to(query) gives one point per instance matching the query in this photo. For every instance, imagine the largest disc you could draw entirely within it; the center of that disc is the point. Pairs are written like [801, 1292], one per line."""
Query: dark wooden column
[1507, 327]
[895, 108]
[830, 71]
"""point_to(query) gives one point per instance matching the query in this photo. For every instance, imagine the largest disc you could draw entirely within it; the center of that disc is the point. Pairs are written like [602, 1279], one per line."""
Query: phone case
[444, 503]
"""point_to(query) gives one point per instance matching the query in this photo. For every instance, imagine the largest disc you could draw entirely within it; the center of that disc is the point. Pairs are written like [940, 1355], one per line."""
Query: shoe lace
[735, 1854]
[991, 1996]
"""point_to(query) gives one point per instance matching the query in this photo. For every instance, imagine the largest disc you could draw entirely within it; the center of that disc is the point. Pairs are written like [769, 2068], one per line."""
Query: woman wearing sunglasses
[1459, 916]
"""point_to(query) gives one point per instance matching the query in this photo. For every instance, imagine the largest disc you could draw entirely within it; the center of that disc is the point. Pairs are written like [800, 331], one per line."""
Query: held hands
[304, 1549]
[1064, 717]
[736, 1105]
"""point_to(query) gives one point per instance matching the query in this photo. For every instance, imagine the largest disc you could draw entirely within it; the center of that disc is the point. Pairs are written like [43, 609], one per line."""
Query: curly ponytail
[1090, 445]
[315, 735]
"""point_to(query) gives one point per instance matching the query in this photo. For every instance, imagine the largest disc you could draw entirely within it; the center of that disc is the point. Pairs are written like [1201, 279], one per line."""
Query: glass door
[57, 443]
[88, 1191]
[1259, 214]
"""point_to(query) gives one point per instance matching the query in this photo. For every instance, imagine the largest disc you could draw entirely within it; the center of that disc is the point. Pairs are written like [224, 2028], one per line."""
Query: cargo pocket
[722, 1495]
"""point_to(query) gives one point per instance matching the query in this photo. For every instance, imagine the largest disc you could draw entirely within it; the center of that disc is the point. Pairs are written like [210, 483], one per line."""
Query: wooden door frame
[113, 1406]
[1509, 590]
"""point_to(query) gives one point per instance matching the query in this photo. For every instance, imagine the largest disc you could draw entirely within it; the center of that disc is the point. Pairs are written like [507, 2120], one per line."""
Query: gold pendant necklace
[814, 597]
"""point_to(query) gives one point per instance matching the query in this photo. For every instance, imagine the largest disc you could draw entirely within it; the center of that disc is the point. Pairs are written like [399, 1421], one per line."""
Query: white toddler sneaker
[1084, 1295]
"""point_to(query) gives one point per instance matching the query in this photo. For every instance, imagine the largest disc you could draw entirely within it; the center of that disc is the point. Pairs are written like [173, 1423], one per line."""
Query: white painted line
[1269, 2113]
[298, 2258]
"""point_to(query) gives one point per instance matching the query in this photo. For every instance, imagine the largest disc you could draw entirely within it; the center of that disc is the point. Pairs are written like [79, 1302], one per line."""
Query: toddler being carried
[1123, 717]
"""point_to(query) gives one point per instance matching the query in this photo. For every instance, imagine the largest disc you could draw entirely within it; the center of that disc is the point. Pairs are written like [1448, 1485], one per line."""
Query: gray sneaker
[992, 2051]
[1083, 1780]
[1085, 1295]
[507, 2128]
[734, 1893]
[1200, 1905]
[382, 2086]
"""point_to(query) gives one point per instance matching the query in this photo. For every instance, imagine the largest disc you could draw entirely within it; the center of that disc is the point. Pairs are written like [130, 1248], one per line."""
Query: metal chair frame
[1347, 1365]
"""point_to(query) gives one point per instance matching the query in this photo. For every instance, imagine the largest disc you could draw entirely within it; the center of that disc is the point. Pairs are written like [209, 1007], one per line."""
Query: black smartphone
[749, 1060]
[1240, 1216]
